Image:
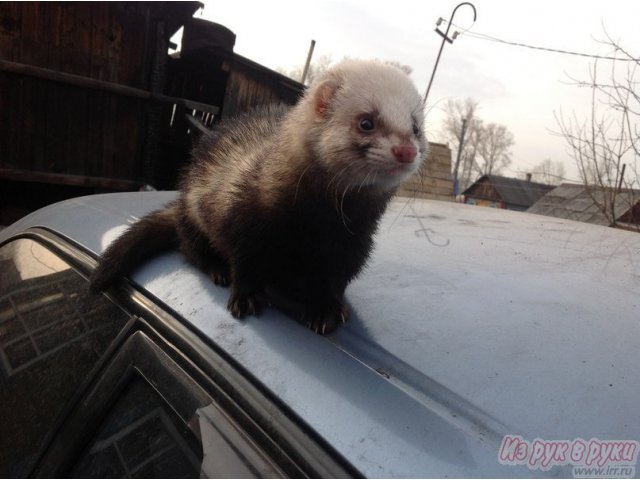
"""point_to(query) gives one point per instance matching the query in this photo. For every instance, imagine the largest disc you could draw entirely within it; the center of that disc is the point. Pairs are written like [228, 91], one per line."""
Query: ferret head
[367, 124]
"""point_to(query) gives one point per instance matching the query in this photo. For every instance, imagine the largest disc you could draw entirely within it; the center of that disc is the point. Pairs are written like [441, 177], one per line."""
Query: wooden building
[592, 204]
[503, 192]
[91, 101]
[434, 179]
[207, 70]
[630, 220]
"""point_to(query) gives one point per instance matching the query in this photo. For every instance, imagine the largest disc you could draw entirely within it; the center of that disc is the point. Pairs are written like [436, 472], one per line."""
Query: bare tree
[494, 148]
[316, 69]
[606, 145]
[549, 172]
[481, 148]
[405, 68]
[460, 130]
[320, 65]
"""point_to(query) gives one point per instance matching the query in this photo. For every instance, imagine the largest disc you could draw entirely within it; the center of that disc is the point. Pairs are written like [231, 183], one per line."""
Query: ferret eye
[416, 129]
[366, 124]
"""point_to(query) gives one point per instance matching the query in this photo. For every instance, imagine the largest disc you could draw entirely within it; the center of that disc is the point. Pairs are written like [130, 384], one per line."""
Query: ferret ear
[323, 96]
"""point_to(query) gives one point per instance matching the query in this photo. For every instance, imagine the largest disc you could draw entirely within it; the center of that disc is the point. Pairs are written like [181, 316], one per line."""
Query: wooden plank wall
[249, 87]
[52, 127]
[434, 179]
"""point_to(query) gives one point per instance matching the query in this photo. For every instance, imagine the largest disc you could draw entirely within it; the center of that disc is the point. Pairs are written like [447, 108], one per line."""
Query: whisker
[342, 214]
[363, 181]
[338, 175]
[338, 178]
[295, 197]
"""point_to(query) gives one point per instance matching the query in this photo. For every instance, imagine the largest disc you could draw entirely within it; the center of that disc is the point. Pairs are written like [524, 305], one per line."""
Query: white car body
[469, 324]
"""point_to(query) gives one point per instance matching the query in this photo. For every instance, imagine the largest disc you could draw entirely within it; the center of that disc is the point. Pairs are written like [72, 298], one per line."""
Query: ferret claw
[324, 323]
[219, 278]
[243, 305]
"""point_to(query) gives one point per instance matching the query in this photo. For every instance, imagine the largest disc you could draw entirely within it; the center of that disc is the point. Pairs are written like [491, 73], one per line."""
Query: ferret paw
[241, 305]
[326, 323]
[220, 278]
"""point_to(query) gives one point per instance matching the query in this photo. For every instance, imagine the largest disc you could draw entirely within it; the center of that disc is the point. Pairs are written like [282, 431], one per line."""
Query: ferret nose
[404, 153]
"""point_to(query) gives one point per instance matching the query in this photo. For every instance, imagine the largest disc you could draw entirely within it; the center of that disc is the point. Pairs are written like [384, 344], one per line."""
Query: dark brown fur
[279, 225]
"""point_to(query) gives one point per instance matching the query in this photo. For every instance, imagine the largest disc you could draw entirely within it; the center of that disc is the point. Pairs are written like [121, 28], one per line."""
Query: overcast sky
[517, 87]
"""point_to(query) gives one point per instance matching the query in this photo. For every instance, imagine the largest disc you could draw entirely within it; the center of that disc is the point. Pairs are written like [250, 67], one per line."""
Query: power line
[490, 38]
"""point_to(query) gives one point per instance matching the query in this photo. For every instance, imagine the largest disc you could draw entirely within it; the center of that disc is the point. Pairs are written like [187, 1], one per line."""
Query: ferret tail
[151, 235]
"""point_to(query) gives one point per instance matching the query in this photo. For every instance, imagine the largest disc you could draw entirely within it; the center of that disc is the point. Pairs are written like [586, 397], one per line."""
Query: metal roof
[467, 325]
[513, 191]
[575, 202]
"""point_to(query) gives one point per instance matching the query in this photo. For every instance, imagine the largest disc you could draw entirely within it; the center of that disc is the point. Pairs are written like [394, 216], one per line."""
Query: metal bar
[67, 179]
[195, 123]
[84, 82]
[308, 62]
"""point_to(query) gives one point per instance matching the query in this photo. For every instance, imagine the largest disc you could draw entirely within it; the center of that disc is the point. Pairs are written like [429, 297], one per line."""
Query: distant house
[576, 202]
[503, 192]
[630, 219]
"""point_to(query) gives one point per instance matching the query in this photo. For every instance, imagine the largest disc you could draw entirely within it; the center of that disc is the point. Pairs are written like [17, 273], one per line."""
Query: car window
[52, 333]
[141, 438]
[161, 423]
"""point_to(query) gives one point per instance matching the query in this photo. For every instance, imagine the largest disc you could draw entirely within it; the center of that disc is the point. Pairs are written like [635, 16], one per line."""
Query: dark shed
[73, 77]
[92, 101]
[206, 69]
[504, 192]
[55, 128]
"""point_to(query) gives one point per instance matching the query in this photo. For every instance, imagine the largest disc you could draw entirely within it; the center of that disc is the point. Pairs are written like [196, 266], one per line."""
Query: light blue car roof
[467, 325]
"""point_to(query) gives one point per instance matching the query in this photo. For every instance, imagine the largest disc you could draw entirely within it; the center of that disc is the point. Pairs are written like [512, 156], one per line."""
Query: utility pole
[445, 37]
[624, 166]
[460, 146]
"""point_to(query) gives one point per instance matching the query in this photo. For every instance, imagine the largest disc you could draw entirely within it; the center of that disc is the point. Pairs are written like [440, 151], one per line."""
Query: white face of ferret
[369, 119]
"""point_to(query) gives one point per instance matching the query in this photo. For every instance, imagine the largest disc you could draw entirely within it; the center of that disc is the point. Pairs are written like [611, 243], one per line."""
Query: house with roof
[630, 220]
[504, 192]
[585, 204]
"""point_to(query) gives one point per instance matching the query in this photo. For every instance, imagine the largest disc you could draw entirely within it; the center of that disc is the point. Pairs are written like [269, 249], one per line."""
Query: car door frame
[187, 361]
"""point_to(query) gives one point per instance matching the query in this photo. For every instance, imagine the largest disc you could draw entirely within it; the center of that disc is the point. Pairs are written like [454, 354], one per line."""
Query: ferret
[282, 204]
